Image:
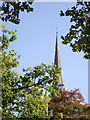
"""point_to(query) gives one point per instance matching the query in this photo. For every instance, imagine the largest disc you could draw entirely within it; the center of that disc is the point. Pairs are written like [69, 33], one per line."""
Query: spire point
[56, 32]
[57, 62]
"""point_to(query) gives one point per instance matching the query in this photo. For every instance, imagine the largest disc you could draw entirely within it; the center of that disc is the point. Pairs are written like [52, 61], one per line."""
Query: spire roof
[57, 62]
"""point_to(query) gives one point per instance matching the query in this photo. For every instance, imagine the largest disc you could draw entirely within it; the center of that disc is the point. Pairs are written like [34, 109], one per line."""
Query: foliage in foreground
[25, 96]
[11, 10]
[69, 105]
[79, 32]
[29, 96]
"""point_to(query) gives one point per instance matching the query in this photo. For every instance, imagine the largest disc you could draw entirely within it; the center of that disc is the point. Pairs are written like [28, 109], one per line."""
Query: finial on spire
[56, 31]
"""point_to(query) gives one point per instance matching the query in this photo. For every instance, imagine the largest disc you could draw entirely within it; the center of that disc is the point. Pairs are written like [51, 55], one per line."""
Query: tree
[11, 10]
[24, 94]
[32, 102]
[69, 105]
[79, 33]
[10, 78]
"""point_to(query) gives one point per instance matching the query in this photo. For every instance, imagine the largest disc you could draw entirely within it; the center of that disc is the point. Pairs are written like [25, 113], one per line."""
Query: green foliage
[8, 36]
[69, 105]
[28, 95]
[79, 33]
[32, 104]
[11, 10]
[33, 100]
[9, 78]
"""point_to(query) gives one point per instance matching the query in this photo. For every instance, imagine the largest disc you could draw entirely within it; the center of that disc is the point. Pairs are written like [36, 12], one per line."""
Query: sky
[36, 38]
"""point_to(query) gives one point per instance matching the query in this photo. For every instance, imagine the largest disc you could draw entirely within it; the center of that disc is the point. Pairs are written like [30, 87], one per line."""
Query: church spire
[57, 62]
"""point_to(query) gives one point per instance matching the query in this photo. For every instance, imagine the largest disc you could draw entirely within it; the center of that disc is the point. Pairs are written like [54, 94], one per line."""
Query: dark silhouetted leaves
[11, 10]
[80, 30]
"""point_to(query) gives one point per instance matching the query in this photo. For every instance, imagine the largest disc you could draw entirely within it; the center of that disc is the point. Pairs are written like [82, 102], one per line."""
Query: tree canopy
[11, 10]
[69, 105]
[28, 96]
[79, 32]
[24, 96]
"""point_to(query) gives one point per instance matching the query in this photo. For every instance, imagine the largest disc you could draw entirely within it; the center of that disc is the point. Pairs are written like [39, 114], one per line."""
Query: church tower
[57, 62]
